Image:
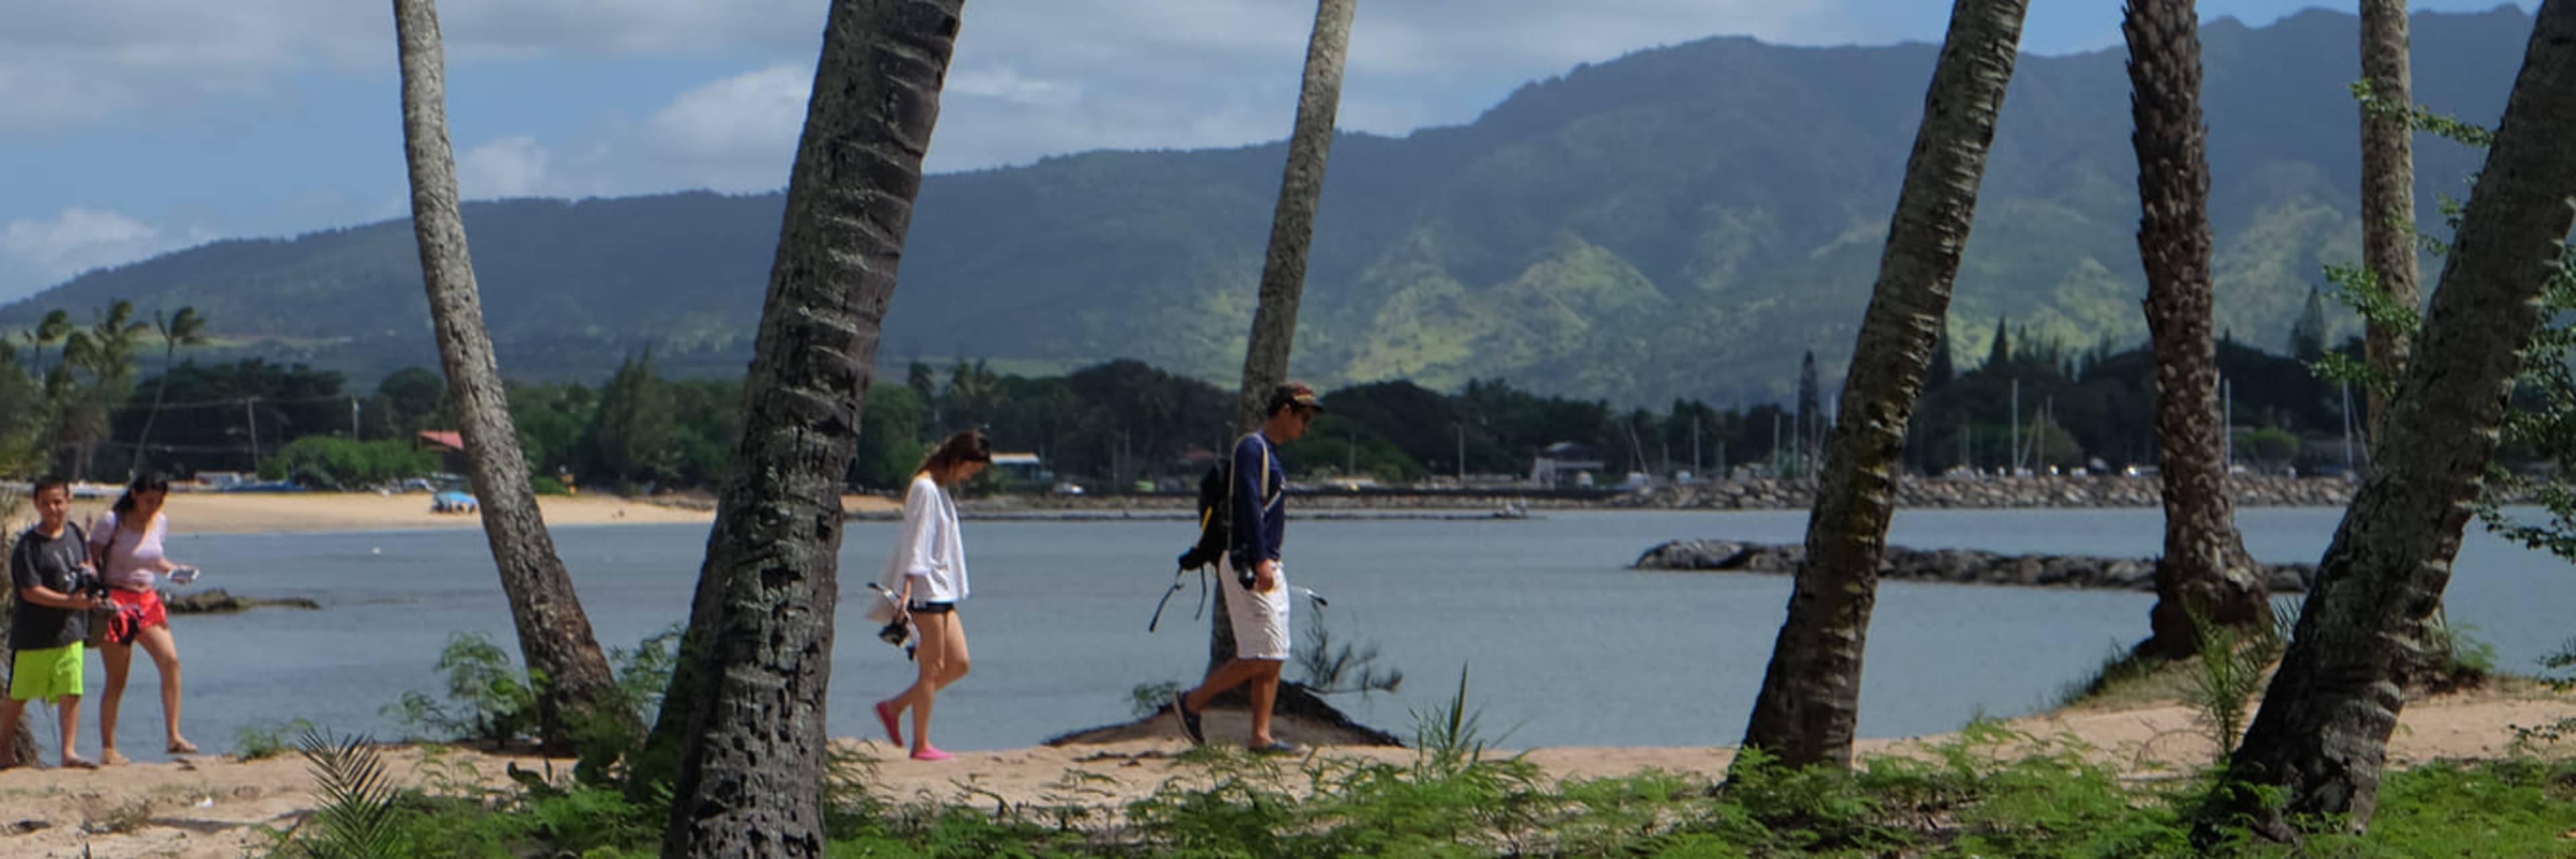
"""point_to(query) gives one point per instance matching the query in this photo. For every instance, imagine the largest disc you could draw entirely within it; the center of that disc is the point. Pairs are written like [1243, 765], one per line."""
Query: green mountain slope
[1684, 221]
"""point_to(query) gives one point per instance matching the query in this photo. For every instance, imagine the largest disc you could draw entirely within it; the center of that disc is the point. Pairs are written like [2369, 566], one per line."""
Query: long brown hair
[962, 446]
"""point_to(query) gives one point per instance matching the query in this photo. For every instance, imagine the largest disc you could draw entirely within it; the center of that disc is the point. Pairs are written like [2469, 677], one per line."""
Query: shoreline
[193, 513]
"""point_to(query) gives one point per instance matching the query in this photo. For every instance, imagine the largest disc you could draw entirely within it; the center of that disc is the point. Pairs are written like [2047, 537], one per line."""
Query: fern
[359, 800]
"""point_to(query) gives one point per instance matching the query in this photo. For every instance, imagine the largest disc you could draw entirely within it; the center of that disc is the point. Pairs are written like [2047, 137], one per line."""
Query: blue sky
[133, 127]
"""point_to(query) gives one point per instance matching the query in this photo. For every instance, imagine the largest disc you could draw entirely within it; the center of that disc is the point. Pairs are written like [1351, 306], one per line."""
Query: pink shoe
[930, 753]
[894, 729]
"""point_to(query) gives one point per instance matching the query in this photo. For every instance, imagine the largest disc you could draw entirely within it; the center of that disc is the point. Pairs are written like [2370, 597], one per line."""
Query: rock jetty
[1956, 566]
[2251, 490]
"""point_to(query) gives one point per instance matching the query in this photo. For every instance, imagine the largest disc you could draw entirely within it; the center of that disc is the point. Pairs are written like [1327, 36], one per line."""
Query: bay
[1563, 644]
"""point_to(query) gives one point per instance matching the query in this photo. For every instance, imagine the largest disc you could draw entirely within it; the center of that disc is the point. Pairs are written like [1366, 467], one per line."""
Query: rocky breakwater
[2251, 490]
[1955, 566]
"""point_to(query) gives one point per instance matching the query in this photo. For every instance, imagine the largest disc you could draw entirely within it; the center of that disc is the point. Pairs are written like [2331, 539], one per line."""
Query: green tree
[634, 434]
[415, 399]
[184, 328]
[1809, 705]
[2308, 334]
[2315, 750]
[889, 438]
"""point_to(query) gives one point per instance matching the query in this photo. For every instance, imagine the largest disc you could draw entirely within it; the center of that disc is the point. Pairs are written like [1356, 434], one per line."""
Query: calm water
[1563, 642]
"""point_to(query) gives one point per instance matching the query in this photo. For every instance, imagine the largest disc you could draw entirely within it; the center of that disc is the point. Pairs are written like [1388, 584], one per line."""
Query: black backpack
[1214, 520]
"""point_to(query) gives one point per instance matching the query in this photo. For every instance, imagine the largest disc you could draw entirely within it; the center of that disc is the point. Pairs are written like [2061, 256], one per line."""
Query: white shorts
[1260, 619]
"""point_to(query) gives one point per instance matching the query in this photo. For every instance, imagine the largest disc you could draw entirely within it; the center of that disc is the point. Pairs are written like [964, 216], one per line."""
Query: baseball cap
[1293, 394]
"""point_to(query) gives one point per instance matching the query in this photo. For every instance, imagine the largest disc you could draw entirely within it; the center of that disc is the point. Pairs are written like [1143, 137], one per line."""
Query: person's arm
[1251, 538]
[919, 540]
[31, 587]
[102, 535]
[162, 521]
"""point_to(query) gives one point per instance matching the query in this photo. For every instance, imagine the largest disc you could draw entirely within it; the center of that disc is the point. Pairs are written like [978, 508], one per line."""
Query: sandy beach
[263, 512]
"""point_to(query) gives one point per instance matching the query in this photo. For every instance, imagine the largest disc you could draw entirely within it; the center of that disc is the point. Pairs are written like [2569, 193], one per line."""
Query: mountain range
[1684, 221]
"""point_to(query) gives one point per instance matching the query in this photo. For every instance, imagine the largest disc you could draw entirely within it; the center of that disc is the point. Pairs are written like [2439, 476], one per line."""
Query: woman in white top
[126, 546]
[928, 576]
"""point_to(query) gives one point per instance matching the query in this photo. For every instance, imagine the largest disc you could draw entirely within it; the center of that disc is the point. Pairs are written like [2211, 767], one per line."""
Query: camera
[92, 585]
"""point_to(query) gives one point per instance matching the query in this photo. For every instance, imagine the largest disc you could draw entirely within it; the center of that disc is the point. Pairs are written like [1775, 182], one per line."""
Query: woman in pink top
[126, 546]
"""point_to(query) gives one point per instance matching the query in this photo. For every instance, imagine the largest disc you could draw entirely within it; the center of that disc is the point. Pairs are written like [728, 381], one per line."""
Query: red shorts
[141, 609]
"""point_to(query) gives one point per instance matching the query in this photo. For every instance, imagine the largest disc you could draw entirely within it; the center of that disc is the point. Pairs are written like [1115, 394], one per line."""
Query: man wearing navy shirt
[1254, 584]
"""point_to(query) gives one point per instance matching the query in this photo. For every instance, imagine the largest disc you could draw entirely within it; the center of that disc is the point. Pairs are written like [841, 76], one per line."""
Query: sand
[256, 512]
[210, 807]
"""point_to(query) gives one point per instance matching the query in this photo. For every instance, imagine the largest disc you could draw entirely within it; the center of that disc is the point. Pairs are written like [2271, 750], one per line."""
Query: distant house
[1024, 468]
[1564, 462]
[448, 444]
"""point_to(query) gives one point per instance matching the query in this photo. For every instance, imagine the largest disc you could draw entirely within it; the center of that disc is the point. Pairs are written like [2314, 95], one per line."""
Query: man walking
[46, 568]
[1250, 577]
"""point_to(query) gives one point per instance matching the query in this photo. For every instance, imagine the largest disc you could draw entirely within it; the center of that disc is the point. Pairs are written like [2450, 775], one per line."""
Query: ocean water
[1565, 646]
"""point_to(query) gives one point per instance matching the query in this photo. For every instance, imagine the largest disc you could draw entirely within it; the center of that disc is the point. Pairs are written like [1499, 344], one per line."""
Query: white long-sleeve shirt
[928, 550]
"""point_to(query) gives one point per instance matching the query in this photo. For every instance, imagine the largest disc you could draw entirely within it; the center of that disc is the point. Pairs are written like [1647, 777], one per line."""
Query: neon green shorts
[47, 674]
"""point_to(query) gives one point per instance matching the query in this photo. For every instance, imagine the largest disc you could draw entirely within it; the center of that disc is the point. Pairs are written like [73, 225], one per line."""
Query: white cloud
[756, 113]
[509, 167]
[79, 239]
[1007, 84]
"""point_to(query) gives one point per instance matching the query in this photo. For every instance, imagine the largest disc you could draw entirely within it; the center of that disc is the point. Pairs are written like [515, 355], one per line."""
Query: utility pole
[1462, 454]
[1695, 448]
[250, 416]
[353, 419]
[2227, 425]
[2347, 429]
[2016, 430]
[1778, 465]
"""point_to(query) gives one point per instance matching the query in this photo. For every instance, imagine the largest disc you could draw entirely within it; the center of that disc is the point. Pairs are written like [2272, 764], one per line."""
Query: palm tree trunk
[2205, 572]
[1292, 231]
[554, 633]
[754, 681]
[2322, 734]
[143, 440]
[2387, 184]
[1810, 701]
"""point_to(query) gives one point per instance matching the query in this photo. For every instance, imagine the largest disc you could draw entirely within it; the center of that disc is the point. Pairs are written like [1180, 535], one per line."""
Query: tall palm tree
[554, 633]
[750, 693]
[105, 351]
[184, 328]
[56, 325]
[2387, 184]
[1810, 700]
[2321, 737]
[1292, 231]
[2205, 573]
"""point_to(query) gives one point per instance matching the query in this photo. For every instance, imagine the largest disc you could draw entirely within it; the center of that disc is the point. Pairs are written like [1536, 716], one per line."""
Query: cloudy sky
[133, 127]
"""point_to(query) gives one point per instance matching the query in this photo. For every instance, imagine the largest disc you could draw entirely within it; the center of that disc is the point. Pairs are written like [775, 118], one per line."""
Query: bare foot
[111, 757]
[181, 746]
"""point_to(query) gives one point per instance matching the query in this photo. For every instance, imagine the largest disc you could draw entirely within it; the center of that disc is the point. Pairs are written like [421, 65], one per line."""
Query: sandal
[79, 763]
[112, 757]
[893, 728]
[183, 747]
[1189, 720]
[1277, 747]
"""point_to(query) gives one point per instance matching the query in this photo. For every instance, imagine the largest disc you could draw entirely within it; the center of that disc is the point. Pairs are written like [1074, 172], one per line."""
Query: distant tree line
[1113, 425]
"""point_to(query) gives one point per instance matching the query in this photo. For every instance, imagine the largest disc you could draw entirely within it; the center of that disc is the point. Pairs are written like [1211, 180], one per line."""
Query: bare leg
[119, 659]
[1265, 694]
[1232, 674]
[68, 708]
[12, 710]
[942, 643]
[164, 649]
